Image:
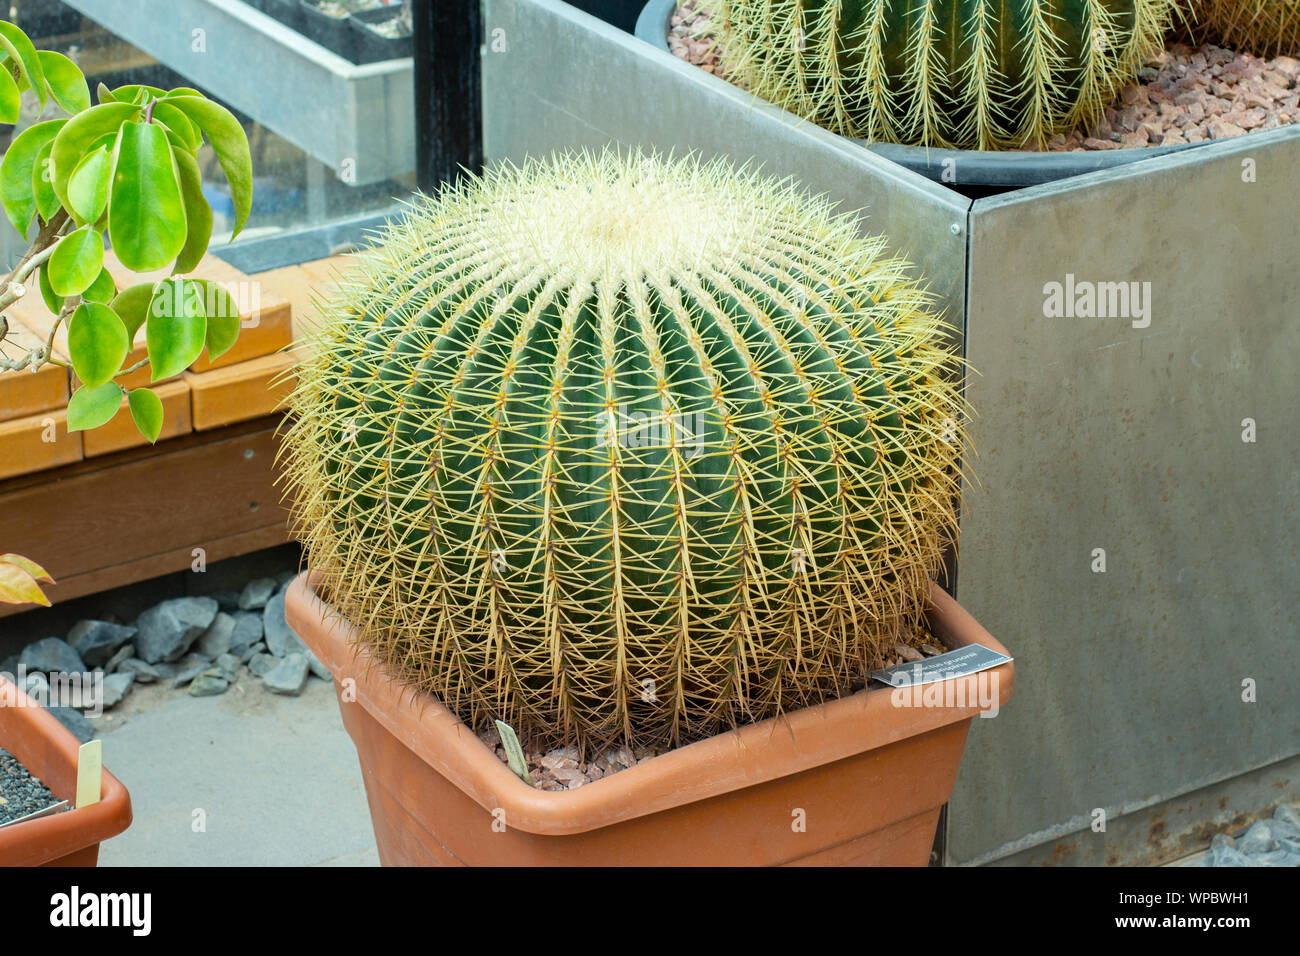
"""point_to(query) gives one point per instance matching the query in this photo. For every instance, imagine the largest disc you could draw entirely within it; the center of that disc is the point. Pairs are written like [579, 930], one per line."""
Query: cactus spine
[979, 74]
[1262, 27]
[627, 449]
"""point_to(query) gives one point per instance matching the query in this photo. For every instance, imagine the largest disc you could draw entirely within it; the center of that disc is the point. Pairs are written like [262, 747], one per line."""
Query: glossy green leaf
[64, 81]
[52, 302]
[14, 42]
[146, 213]
[97, 343]
[223, 317]
[88, 186]
[179, 123]
[176, 327]
[104, 95]
[132, 306]
[103, 289]
[198, 214]
[11, 100]
[80, 134]
[92, 407]
[137, 93]
[76, 262]
[231, 146]
[16, 172]
[147, 410]
[47, 203]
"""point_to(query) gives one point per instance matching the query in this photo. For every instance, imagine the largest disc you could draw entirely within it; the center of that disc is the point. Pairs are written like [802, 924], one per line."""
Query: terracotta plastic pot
[49, 752]
[853, 781]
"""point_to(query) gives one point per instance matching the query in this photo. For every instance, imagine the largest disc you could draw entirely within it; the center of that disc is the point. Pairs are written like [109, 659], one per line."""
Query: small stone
[248, 631]
[228, 664]
[256, 594]
[123, 654]
[218, 638]
[1223, 853]
[37, 688]
[929, 650]
[284, 579]
[209, 683]
[144, 673]
[288, 676]
[280, 638]
[51, 655]
[227, 601]
[188, 668]
[116, 687]
[261, 664]
[1258, 839]
[75, 721]
[247, 653]
[167, 631]
[96, 641]
[908, 653]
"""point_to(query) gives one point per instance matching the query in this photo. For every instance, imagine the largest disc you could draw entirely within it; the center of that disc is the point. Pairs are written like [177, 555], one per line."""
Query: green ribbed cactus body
[953, 73]
[627, 449]
[1262, 27]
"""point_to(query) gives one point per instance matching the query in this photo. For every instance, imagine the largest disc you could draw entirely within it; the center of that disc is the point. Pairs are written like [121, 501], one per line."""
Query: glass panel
[323, 89]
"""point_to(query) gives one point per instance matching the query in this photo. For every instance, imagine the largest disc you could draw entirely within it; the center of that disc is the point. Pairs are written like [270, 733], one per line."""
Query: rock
[247, 653]
[1258, 839]
[227, 601]
[248, 631]
[1223, 853]
[209, 683]
[123, 654]
[908, 653]
[228, 664]
[37, 688]
[75, 721]
[218, 638]
[316, 667]
[256, 594]
[188, 668]
[97, 641]
[144, 673]
[288, 676]
[165, 632]
[284, 579]
[261, 663]
[280, 638]
[116, 687]
[1285, 813]
[51, 655]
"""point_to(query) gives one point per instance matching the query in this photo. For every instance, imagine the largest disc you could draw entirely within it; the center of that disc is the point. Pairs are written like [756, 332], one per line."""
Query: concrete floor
[248, 778]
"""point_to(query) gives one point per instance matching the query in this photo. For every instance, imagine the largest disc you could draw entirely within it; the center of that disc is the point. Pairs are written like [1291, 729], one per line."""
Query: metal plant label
[970, 659]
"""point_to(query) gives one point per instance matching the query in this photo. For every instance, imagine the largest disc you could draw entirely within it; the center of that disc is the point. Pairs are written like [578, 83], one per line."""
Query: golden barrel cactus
[1262, 27]
[627, 449]
[970, 74]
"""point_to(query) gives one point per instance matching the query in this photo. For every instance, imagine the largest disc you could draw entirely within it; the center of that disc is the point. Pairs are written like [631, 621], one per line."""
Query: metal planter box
[1153, 434]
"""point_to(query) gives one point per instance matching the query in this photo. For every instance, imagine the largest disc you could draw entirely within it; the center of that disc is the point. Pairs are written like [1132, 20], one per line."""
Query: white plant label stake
[90, 768]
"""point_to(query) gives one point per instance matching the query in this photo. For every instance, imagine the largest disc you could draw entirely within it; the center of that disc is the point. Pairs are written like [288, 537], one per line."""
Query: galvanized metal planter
[354, 119]
[1154, 436]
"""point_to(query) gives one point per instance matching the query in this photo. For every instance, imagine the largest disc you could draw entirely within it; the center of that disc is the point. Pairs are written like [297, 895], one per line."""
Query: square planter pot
[857, 780]
[1123, 438]
[49, 752]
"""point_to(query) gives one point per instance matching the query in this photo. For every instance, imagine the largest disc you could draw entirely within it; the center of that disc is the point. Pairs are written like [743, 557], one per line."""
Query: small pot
[333, 33]
[852, 781]
[374, 47]
[49, 752]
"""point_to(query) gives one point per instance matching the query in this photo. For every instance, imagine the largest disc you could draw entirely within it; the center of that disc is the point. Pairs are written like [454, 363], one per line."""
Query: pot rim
[748, 756]
[48, 751]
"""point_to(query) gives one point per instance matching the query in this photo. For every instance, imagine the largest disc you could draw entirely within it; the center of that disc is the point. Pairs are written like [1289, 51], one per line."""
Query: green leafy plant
[981, 74]
[1262, 27]
[125, 168]
[627, 448]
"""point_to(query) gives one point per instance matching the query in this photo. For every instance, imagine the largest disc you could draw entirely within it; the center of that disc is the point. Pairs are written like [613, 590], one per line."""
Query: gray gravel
[20, 792]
